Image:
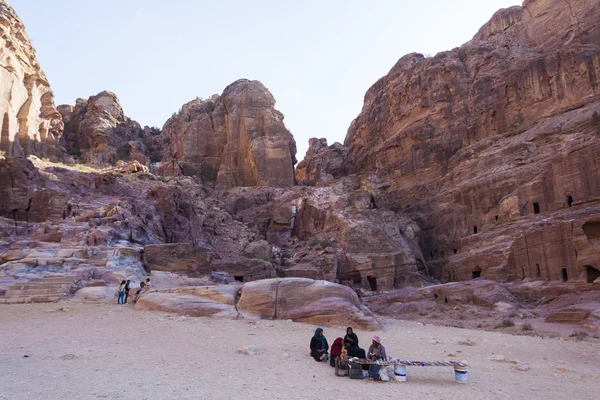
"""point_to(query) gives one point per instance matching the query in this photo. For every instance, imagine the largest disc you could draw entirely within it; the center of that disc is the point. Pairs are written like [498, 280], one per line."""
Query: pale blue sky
[318, 58]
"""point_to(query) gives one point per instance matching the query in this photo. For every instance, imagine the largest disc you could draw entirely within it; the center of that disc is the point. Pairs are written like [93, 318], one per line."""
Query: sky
[317, 57]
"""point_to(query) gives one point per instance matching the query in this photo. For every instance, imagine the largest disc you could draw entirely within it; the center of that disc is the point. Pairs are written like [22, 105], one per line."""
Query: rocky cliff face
[236, 139]
[98, 132]
[493, 147]
[30, 122]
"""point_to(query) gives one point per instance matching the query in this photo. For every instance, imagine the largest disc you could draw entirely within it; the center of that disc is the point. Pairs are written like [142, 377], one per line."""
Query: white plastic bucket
[461, 374]
[400, 373]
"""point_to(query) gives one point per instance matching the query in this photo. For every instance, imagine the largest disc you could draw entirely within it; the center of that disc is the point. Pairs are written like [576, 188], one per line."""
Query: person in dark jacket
[350, 340]
[127, 289]
[319, 346]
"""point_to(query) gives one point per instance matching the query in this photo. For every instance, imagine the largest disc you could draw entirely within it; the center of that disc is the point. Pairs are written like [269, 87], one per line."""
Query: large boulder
[206, 301]
[305, 300]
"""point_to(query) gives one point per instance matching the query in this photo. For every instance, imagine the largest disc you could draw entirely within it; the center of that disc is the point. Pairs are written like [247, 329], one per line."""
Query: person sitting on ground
[336, 351]
[350, 340]
[147, 289]
[351, 345]
[376, 352]
[121, 297]
[140, 291]
[319, 346]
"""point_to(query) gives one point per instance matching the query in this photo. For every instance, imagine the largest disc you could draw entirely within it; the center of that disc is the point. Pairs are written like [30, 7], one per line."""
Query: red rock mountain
[30, 122]
[493, 147]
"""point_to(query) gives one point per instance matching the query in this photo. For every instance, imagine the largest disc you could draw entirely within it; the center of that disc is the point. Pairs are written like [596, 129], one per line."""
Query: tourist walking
[121, 295]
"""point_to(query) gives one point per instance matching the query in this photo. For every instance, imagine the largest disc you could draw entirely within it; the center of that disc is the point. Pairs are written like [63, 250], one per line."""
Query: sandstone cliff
[493, 147]
[236, 139]
[98, 131]
[30, 122]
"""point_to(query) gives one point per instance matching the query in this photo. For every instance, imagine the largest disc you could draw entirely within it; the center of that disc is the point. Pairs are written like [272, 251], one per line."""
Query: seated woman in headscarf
[376, 352]
[350, 340]
[319, 346]
[336, 351]
[351, 344]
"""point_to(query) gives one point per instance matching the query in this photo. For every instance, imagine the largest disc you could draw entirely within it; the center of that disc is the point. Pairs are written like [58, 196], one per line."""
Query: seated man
[376, 352]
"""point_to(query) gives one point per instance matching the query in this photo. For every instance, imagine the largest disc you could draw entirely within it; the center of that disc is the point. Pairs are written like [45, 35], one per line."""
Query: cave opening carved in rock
[591, 230]
[591, 274]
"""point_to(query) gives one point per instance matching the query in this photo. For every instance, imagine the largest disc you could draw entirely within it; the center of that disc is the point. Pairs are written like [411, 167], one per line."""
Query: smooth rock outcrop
[305, 300]
[207, 301]
[301, 300]
[30, 122]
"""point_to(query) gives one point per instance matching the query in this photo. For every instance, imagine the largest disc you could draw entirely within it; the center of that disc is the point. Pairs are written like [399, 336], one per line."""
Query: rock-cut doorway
[591, 274]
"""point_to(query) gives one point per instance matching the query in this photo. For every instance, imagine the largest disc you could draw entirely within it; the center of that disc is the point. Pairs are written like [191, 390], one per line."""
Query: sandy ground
[115, 352]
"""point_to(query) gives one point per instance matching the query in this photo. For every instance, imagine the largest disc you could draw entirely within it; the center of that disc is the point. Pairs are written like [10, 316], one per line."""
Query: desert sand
[70, 350]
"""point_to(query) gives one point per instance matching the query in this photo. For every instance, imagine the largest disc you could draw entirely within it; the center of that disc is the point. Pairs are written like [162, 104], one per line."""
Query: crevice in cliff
[570, 9]
[276, 299]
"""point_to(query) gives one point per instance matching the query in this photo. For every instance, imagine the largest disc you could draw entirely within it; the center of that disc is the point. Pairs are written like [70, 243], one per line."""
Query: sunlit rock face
[235, 139]
[493, 147]
[29, 121]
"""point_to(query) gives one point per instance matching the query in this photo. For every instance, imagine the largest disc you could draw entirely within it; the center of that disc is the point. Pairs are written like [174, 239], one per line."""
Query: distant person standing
[121, 295]
[127, 289]
[147, 288]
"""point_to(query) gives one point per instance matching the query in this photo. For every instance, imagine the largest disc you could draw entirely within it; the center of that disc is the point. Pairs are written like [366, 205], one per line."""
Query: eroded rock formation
[30, 123]
[98, 131]
[492, 147]
[236, 139]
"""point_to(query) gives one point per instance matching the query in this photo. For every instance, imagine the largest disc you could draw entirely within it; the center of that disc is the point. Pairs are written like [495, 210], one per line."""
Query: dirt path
[114, 352]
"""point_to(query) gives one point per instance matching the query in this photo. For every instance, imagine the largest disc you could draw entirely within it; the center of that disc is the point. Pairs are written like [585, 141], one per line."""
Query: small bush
[287, 254]
[526, 327]
[313, 242]
[74, 152]
[45, 159]
[579, 335]
[124, 151]
[264, 256]
[2, 153]
[326, 243]
[225, 194]
[149, 216]
[506, 323]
